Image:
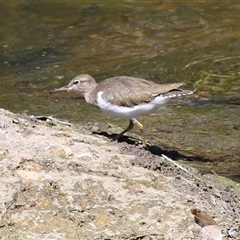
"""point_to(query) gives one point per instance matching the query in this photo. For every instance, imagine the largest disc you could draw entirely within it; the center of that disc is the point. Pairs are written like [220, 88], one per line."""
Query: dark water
[45, 44]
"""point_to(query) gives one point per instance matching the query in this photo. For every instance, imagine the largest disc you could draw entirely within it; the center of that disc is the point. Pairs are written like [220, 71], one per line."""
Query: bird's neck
[90, 95]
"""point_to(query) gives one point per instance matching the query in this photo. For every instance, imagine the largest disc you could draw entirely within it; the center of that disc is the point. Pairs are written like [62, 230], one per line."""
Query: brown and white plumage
[125, 97]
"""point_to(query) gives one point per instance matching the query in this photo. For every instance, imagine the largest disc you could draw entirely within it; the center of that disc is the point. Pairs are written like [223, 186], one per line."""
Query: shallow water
[45, 44]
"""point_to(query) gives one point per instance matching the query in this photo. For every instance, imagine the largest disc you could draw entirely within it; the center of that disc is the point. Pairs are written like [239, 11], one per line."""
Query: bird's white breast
[130, 112]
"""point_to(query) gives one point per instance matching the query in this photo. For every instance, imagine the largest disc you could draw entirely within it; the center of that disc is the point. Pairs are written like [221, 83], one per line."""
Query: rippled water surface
[45, 44]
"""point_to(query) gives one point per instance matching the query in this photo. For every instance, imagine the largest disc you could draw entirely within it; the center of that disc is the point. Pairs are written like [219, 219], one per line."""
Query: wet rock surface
[59, 182]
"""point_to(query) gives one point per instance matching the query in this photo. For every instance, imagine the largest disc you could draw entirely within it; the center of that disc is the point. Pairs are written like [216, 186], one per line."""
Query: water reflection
[45, 44]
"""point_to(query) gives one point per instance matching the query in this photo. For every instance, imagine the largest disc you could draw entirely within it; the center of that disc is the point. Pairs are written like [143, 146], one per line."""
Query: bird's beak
[62, 89]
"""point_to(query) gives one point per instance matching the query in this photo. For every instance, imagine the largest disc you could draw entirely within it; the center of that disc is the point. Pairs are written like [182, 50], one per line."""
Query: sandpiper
[125, 97]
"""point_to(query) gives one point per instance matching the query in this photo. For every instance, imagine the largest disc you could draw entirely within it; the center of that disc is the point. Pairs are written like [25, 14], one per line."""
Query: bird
[125, 97]
[209, 228]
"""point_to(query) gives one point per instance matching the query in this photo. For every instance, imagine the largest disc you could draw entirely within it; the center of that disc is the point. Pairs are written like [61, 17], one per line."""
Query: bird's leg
[130, 126]
[140, 126]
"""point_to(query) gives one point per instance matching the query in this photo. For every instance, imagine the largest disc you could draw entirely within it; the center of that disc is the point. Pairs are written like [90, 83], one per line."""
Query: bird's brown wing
[129, 91]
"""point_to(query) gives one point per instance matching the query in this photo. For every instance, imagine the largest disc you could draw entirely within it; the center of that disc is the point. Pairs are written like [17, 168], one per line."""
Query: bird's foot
[146, 145]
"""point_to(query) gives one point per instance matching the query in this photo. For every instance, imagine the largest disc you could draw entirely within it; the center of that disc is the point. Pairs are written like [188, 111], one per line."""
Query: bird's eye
[76, 82]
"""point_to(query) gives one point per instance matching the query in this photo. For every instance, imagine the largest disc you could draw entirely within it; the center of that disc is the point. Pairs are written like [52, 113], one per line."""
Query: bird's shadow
[155, 150]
